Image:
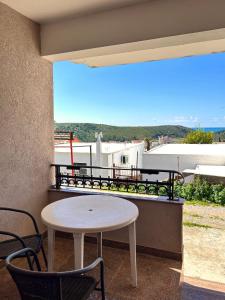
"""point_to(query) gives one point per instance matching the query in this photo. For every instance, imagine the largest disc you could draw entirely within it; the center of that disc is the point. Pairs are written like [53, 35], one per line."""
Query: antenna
[98, 135]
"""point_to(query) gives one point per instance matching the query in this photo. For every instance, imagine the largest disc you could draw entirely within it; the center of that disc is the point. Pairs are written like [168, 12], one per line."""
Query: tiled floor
[158, 278]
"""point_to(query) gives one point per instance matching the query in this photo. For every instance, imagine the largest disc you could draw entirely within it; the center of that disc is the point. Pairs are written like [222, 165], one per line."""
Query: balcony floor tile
[158, 278]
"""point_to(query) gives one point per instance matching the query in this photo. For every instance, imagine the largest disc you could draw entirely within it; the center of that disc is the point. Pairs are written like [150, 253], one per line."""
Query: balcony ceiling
[45, 11]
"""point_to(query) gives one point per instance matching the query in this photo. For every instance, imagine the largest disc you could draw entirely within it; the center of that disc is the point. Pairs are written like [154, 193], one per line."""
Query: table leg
[79, 250]
[51, 249]
[99, 244]
[132, 241]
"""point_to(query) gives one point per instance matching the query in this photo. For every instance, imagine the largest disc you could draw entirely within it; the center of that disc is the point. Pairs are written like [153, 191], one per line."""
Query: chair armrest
[13, 235]
[70, 274]
[84, 270]
[80, 272]
[26, 252]
[22, 212]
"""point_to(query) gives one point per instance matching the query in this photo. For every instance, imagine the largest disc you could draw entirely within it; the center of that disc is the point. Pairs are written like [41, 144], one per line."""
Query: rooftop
[106, 147]
[207, 170]
[189, 149]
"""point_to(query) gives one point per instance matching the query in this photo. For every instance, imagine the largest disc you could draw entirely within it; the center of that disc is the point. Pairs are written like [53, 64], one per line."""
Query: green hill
[86, 131]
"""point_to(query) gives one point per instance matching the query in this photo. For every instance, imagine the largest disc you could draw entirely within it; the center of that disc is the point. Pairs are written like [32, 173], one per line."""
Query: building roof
[207, 170]
[189, 149]
[107, 148]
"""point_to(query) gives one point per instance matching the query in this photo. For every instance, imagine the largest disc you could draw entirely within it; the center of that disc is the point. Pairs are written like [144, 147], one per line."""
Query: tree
[199, 137]
[147, 144]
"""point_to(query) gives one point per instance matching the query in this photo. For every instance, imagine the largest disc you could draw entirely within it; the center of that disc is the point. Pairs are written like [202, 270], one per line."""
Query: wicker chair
[71, 285]
[16, 242]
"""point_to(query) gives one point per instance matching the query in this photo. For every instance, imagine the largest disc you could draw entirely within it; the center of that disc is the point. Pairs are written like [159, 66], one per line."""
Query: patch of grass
[190, 224]
[200, 203]
[217, 218]
[192, 215]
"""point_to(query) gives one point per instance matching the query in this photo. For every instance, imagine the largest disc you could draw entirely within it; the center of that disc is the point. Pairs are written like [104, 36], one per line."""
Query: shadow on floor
[191, 292]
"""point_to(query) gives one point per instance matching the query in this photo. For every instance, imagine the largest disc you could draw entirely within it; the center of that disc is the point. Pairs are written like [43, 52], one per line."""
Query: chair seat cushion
[78, 288]
[9, 246]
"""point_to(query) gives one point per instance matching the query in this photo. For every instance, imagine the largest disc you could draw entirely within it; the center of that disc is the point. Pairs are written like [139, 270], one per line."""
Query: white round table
[90, 214]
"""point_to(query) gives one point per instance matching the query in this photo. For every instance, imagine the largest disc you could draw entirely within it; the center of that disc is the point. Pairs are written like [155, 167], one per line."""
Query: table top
[91, 213]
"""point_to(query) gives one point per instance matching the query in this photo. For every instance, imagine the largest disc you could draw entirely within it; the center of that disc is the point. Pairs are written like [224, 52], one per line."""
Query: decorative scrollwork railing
[131, 184]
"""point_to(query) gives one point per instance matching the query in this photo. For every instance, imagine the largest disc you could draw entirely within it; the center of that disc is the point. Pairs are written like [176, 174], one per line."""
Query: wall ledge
[137, 197]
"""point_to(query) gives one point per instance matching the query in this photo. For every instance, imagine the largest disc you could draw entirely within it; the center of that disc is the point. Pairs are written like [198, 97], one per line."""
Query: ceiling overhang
[150, 50]
[47, 11]
[109, 32]
[149, 31]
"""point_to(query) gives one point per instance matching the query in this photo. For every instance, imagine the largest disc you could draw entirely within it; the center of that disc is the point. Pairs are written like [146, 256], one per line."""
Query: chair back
[34, 285]
[37, 285]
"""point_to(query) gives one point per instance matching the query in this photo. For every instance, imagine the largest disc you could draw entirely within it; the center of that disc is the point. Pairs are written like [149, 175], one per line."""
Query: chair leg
[44, 256]
[103, 293]
[33, 260]
[30, 264]
[102, 281]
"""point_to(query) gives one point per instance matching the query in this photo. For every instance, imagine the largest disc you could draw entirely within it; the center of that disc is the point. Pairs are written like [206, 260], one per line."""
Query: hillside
[86, 131]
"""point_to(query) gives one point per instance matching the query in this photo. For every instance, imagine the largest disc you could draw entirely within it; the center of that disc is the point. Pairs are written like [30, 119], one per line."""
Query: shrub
[201, 190]
[199, 137]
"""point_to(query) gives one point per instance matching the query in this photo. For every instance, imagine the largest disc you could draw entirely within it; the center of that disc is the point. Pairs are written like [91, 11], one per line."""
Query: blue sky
[187, 91]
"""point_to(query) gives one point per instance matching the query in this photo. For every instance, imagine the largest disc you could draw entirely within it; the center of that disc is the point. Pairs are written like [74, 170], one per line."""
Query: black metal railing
[91, 177]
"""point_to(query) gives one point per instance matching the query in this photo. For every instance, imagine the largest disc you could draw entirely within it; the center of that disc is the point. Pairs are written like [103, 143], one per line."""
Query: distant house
[189, 159]
[186, 158]
[122, 155]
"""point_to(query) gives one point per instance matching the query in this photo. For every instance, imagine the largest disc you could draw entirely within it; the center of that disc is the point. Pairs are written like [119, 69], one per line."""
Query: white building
[185, 158]
[125, 155]
[181, 157]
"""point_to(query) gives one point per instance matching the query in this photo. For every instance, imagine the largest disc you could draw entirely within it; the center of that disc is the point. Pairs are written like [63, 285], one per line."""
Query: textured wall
[26, 117]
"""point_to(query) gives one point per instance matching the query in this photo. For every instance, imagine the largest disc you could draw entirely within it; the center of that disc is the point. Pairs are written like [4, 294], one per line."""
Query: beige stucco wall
[26, 118]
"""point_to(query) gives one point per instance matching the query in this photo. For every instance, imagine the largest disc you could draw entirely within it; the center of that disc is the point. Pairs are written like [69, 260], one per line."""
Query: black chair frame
[26, 252]
[21, 239]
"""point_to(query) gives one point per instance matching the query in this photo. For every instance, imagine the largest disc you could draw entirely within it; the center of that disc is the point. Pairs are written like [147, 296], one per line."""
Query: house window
[124, 159]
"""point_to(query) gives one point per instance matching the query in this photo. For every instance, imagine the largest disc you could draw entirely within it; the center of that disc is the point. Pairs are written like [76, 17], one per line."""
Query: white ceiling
[44, 11]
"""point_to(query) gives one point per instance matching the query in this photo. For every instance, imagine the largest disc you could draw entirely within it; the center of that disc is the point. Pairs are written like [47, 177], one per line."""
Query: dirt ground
[204, 242]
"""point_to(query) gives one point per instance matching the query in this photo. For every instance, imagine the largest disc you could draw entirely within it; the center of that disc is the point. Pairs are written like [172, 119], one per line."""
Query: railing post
[83, 181]
[172, 189]
[75, 180]
[57, 177]
[92, 182]
[114, 171]
[171, 185]
[109, 184]
[146, 186]
[157, 187]
[100, 182]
